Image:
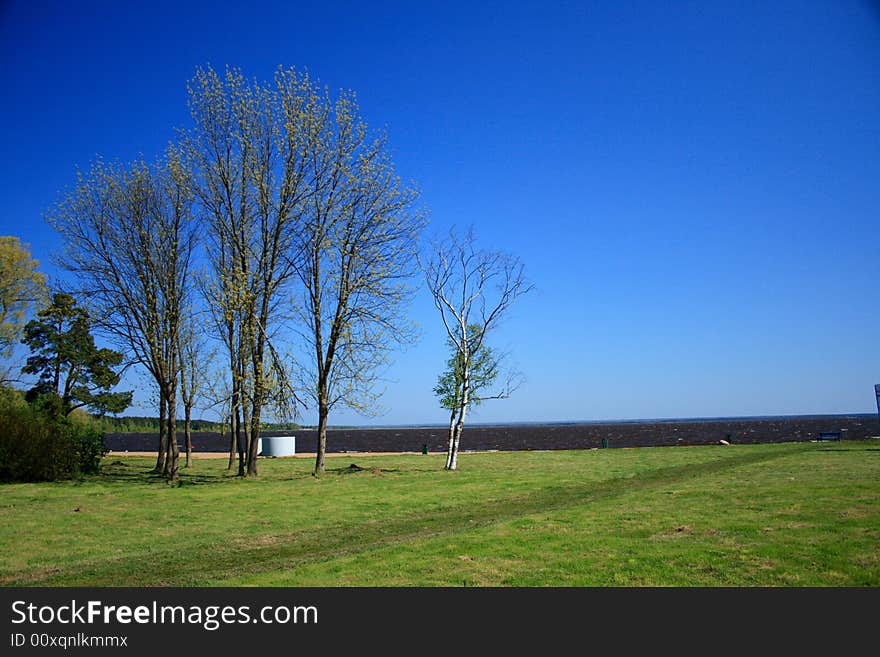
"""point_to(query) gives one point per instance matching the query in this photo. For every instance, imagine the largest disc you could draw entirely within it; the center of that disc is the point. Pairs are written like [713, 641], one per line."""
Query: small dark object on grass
[76, 510]
[354, 468]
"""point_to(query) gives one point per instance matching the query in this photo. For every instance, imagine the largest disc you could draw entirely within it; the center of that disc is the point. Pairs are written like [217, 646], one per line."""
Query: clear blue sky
[693, 186]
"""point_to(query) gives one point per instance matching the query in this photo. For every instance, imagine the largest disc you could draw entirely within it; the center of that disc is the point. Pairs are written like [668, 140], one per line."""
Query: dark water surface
[563, 435]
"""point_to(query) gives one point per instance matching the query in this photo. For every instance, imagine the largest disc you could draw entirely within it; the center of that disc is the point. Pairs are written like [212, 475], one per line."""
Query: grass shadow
[320, 544]
[847, 451]
[130, 474]
[354, 468]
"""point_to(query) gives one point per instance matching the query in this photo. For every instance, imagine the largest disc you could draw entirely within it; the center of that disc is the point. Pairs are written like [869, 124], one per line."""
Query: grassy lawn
[796, 514]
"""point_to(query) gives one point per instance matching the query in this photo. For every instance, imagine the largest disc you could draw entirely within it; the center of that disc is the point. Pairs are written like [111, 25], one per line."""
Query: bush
[90, 448]
[36, 447]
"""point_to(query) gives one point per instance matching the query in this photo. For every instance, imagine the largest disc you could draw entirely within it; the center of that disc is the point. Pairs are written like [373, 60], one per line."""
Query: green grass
[797, 514]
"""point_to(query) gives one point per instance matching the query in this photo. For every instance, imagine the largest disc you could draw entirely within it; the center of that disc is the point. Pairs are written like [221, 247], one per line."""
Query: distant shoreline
[542, 436]
[554, 423]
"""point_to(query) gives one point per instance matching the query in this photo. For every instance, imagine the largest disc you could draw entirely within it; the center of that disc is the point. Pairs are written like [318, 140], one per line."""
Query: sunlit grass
[798, 514]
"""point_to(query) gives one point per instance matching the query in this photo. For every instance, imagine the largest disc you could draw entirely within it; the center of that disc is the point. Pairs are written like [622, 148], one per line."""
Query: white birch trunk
[457, 438]
[450, 446]
[452, 458]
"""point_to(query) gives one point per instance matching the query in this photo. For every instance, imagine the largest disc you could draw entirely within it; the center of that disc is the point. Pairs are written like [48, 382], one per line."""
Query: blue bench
[829, 435]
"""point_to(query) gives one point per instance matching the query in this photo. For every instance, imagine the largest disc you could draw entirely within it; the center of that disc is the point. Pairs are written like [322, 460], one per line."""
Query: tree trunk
[254, 441]
[321, 448]
[258, 340]
[240, 443]
[450, 445]
[163, 437]
[174, 451]
[240, 429]
[256, 413]
[167, 470]
[453, 461]
[187, 431]
[455, 438]
[235, 439]
[244, 436]
[232, 434]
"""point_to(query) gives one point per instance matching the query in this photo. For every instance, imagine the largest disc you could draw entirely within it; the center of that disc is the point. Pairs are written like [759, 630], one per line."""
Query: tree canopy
[68, 363]
[21, 288]
[484, 368]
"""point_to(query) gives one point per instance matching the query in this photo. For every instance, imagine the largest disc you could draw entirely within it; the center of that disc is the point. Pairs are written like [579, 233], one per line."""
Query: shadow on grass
[129, 474]
[134, 474]
[354, 468]
[249, 556]
[847, 451]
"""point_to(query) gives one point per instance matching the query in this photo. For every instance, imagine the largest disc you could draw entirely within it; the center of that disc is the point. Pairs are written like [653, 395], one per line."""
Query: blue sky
[693, 186]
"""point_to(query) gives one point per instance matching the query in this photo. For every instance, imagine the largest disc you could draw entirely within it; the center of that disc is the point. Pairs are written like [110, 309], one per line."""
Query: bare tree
[246, 149]
[355, 257]
[473, 290]
[129, 239]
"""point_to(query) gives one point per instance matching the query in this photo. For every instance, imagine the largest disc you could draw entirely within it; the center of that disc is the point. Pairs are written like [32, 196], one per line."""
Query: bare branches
[129, 241]
[251, 185]
[472, 289]
[290, 187]
[355, 258]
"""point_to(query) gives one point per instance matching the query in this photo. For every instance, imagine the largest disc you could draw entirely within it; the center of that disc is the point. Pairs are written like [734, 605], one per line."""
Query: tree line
[275, 224]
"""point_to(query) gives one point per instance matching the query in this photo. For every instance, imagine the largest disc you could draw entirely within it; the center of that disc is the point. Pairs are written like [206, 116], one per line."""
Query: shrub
[34, 446]
[90, 448]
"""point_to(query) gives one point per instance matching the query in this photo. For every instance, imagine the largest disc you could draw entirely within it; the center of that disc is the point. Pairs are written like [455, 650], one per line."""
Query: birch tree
[355, 257]
[473, 290]
[488, 377]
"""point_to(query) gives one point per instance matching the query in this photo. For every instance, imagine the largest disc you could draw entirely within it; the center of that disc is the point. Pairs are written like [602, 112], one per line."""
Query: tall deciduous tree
[355, 256]
[129, 239]
[67, 361]
[246, 150]
[473, 289]
[22, 288]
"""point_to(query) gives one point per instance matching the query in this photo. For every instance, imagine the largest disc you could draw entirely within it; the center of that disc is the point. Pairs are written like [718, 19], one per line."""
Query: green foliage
[89, 444]
[145, 424]
[21, 286]
[483, 371]
[73, 372]
[37, 444]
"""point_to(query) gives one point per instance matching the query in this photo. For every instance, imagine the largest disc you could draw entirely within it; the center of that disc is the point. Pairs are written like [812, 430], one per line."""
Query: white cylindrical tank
[278, 445]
